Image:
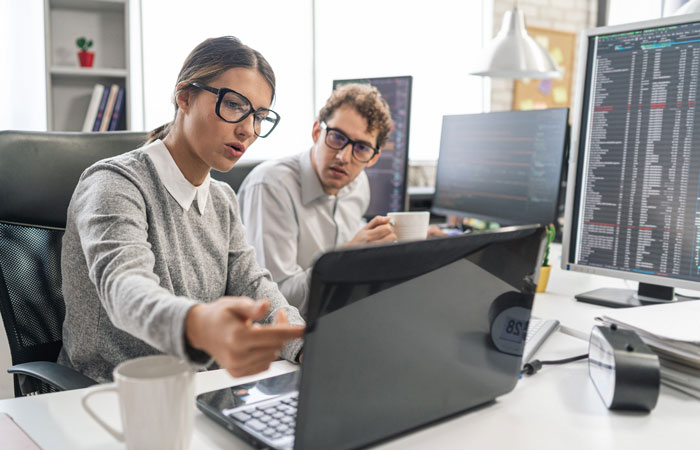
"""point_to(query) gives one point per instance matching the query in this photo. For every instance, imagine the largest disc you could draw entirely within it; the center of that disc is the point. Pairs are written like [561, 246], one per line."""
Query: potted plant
[545, 269]
[85, 56]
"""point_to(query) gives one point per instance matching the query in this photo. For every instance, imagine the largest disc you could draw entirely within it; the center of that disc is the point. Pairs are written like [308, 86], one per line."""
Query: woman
[154, 249]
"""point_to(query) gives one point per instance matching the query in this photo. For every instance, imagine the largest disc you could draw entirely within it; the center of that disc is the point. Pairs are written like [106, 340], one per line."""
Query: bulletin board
[549, 93]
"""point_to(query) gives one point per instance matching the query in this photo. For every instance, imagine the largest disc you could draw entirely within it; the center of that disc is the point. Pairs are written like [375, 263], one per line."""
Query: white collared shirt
[291, 221]
[174, 181]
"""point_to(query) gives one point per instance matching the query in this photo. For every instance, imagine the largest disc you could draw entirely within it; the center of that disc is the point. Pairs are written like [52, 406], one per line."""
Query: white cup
[410, 226]
[156, 397]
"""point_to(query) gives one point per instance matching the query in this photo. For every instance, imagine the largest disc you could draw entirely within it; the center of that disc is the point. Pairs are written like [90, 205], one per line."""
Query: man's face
[337, 168]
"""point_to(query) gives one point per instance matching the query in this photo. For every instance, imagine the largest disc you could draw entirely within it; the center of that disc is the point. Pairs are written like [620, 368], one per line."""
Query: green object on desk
[551, 233]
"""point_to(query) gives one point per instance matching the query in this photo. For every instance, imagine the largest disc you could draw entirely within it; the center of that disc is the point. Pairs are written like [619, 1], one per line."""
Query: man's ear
[183, 98]
[316, 131]
[374, 159]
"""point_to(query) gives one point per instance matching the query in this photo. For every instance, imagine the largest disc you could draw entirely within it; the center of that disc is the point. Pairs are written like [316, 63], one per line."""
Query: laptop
[398, 337]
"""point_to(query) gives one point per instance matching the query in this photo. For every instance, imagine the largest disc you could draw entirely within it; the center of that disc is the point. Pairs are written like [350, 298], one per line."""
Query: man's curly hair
[367, 101]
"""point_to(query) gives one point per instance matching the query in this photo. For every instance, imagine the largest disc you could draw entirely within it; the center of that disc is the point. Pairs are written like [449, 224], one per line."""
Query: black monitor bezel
[368, 80]
[578, 142]
[502, 220]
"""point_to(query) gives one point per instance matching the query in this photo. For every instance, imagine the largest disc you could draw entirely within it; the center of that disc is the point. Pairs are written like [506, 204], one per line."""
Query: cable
[689, 297]
[535, 365]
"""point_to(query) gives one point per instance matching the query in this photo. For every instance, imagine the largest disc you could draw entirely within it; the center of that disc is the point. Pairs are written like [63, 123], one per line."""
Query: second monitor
[502, 167]
[387, 178]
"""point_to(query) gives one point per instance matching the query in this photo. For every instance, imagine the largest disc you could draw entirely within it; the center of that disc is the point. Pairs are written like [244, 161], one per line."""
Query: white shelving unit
[69, 86]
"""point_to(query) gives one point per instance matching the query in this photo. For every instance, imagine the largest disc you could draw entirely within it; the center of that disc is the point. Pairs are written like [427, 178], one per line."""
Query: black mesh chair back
[38, 173]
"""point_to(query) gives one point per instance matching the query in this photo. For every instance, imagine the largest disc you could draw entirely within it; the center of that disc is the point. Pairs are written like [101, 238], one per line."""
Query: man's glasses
[337, 140]
[233, 107]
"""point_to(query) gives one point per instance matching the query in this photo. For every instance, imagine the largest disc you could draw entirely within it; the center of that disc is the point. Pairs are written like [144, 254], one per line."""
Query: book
[109, 107]
[97, 92]
[118, 107]
[100, 110]
[675, 322]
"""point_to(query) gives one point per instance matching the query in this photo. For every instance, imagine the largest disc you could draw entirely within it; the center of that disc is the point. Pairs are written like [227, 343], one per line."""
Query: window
[626, 11]
[436, 42]
[279, 29]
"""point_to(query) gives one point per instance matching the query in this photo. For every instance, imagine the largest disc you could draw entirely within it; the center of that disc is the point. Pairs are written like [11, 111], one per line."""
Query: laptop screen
[406, 334]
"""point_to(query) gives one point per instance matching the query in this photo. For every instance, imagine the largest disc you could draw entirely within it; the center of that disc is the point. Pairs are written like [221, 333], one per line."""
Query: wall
[23, 88]
[563, 15]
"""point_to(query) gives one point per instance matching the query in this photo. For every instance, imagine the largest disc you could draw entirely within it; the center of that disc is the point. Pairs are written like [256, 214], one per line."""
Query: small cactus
[83, 43]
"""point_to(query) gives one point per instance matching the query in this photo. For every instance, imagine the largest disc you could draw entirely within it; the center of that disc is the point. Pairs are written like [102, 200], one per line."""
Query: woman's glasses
[233, 107]
[337, 140]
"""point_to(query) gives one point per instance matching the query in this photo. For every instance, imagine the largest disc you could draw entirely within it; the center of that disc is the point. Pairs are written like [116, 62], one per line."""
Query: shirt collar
[174, 181]
[311, 188]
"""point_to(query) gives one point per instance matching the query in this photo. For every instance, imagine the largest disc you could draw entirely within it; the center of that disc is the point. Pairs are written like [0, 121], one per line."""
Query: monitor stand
[647, 294]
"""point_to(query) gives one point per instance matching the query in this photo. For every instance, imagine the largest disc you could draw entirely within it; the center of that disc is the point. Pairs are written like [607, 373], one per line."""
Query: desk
[557, 408]
[558, 301]
[554, 409]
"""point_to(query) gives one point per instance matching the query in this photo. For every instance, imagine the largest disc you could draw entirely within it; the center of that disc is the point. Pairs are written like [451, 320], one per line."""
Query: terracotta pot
[544, 278]
[86, 58]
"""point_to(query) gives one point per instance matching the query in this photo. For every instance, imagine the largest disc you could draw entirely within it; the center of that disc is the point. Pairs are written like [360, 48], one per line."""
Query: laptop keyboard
[274, 419]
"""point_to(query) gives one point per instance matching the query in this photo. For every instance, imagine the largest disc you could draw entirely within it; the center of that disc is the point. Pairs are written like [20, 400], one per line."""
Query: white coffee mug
[156, 398]
[410, 226]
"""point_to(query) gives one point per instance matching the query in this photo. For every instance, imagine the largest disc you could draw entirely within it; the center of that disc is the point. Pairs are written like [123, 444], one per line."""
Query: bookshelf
[69, 87]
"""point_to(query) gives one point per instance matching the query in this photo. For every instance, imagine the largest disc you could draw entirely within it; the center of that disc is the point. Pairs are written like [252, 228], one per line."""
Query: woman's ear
[183, 97]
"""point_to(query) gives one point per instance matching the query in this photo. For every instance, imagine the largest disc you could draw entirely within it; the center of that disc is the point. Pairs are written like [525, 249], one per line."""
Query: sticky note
[559, 94]
[557, 55]
[545, 86]
[527, 104]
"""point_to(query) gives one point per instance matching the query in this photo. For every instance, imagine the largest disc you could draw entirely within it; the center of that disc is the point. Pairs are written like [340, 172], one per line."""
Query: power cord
[687, 297]
[535, 365]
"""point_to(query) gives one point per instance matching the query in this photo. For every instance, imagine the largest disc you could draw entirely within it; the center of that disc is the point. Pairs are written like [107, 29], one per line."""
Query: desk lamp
[513, 53]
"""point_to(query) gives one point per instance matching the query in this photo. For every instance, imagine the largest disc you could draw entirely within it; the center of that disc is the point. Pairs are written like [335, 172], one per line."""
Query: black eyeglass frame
[325, 126]
[221, 93]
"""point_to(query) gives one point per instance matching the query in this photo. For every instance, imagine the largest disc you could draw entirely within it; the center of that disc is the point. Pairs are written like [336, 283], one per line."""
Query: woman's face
[216, 143]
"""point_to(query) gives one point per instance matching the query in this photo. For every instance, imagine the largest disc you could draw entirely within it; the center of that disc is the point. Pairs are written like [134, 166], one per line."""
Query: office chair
[38, 173]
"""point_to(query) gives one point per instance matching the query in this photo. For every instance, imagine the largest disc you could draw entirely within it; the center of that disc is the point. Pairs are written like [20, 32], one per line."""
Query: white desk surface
[558, 301]
[557, 408]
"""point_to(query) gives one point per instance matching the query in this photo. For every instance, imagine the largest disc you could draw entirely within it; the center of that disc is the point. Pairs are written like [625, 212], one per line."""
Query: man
[300, 206]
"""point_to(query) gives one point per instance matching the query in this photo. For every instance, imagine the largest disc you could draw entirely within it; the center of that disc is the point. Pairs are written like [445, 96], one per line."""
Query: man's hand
[377, 230]
[435, 231]
[225, 330]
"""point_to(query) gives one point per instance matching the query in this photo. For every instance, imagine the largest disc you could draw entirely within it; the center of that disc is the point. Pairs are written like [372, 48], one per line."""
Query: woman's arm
[110, 216]
[109, 213]
[246, 277]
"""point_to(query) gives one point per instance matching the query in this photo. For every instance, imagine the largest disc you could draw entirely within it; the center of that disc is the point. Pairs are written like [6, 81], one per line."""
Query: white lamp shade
[513, 53]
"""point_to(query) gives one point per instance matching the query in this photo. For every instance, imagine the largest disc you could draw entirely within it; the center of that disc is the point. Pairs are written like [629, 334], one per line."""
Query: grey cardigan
[134, 261]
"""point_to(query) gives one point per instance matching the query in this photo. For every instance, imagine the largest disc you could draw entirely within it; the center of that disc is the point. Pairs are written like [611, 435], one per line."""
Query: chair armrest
[61, 377]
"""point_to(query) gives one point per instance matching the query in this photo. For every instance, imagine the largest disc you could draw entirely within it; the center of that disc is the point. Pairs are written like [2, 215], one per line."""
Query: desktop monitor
[503, 167]
[388, 177]
[632, 200]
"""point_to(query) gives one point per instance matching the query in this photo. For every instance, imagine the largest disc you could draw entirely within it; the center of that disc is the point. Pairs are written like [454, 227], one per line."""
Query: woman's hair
[368, 102]
[210, 59]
